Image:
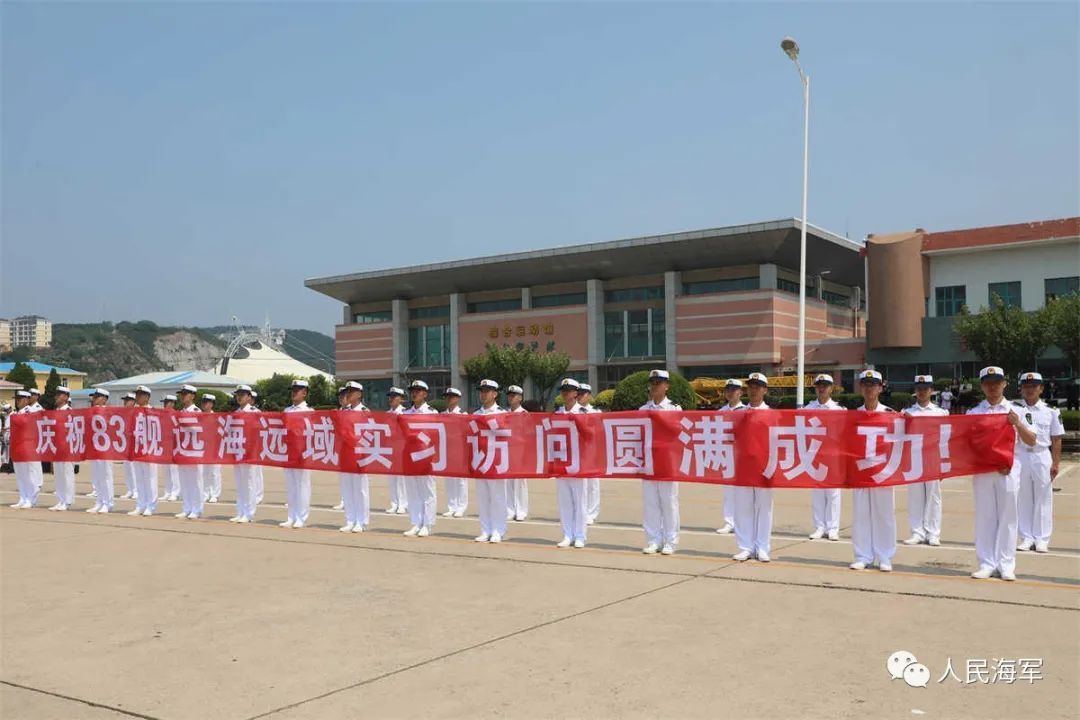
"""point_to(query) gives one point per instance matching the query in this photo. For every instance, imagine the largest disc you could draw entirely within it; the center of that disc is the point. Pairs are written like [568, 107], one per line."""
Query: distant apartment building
[5, 334]
[29, 331]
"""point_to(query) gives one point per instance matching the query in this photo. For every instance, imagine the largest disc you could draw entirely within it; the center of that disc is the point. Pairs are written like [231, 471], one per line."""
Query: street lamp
[791, 49]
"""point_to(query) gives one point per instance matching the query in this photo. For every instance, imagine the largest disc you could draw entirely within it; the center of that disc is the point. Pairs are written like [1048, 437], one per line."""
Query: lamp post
[791, 49]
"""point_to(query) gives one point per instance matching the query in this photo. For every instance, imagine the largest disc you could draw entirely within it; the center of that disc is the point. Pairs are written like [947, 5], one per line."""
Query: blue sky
[189, 162]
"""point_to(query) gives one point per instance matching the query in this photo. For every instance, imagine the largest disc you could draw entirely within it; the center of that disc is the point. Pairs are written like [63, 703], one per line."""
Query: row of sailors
[1013, 503]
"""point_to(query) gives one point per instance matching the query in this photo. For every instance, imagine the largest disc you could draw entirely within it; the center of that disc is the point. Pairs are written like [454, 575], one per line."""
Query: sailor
[257, 470]
[457, 489]
[64, 472]
[342, 398]
[517, 490]
[244, 474]
[420, 489]
[733, 391]
[101, 471]
[660, 498]
[146, 478]
[297, 482]
[592, 485]
[399, 497]
[947, 400]
[571, 490]
[1039, 465]
[825, 504]
[754, 505]
[924, 498]
[128, 400]
[490, 492]
[191, 482]
[354, 486]
[211, 473]
[996, 492]
[171, 491]
[28, 475]
[873, 525]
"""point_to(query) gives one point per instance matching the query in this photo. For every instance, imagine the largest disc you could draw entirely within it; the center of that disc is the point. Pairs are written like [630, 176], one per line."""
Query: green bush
[603, 399]
[1071, 420]
[633, 392]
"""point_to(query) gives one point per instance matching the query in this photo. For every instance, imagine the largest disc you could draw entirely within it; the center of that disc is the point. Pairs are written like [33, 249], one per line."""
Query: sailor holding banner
[825, 504]
[420, 488]
[490, 492]
[660, 498]
[517, 490]
[924, 498]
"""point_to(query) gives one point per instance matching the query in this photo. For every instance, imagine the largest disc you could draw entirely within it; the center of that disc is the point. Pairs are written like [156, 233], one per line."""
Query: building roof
[172, 379]
[993, 236]
[7, 385]
[5, 367]
[768, 242]
[259, 362]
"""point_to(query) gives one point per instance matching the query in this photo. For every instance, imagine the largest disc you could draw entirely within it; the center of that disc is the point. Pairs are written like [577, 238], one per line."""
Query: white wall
[1030, 264]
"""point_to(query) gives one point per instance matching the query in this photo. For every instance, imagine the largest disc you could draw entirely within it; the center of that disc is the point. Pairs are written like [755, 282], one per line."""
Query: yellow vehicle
[710, 391]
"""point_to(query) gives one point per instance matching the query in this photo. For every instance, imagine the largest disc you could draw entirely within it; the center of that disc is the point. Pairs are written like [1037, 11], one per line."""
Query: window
[835, 298]
[375, 393]
[720, 286]
[634, 294]
[556, 300]
[493, 305]
[634, 333]
[372, 316]
[1060, 287]
[1009, 292]
[423, 313]
[949, 299]
[792, 286]
[429, 346]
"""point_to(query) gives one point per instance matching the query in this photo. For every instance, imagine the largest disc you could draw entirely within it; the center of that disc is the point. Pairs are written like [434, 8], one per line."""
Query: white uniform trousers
[191, 488]
[146, 484]
[517, 499]
[1036, 501]
[64, 479]
[28, 476]
[825, 508]
[457, 494]
[101, 478]
[995, 518]
[211, 482]
[258, 481]
[298, 494]
[924, 509]
[129, 478]
[873, 527]
[399, 495]
[491, 504]
[753, 518]
[172, 482]
[244, 476]
[355, 495]
[660, 511]
[421, 493]
[571, 493]
[729, 505]
[592, 498]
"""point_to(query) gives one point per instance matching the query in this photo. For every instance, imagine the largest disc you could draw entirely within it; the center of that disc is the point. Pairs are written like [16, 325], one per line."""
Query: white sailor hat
[298, 384]
[870, 376]
[658, 375]
[585, 387]
[99, 392]
[1030, 377]
[488, 384]
[242, 388]
[187, 389]
[127, 396]
[991, 372]
[63, 389]
[349, 387]
[569, 384]
[22, 393]
[758, 378]
[824, 379]
[733, 383]
[514, 390]
[455, 392]
[208, 397]
[142, 389]
[924, 379]
[418, 385]
[168, 398]
[395, 391]
[33, 391]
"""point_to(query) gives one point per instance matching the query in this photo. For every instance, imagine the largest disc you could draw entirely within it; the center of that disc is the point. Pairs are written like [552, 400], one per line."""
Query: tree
[633, 392]
[546, 370]
[48, 398]
[274, 391]
[1005, 336]
[504, 364]
[23, 375]
[1063, 319]
[322, 393]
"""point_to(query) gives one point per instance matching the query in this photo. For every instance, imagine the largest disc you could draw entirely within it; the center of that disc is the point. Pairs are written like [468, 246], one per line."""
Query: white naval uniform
[924, 498]
[729, 490]
[191, 490]
[257, 473]
[873, 525]
[457, 489]
[517, 491]
[355, 489]
[28, 475]
[171, 488]
[298, 484]
[244, 477]
[571, 494]
[399, 495]
[592, 487]
[101, 479]
[64, 478]
[420, 489]
[660, 498]
[753, 513]
[1035, 505]
[130, 486]
[825, 504]
[211, 482]
[995, 505]
[491, 493]
[146, 486]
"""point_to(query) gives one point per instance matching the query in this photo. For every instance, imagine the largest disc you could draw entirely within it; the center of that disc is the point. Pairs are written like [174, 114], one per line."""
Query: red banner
[771, 448]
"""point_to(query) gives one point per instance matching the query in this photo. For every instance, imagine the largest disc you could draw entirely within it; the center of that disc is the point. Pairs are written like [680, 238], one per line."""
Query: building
[31, 331]
[161, 384]
[918, 281]
[73, 379]
[8, 390]
[718, 302]
[5, 334]
[258, 361]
